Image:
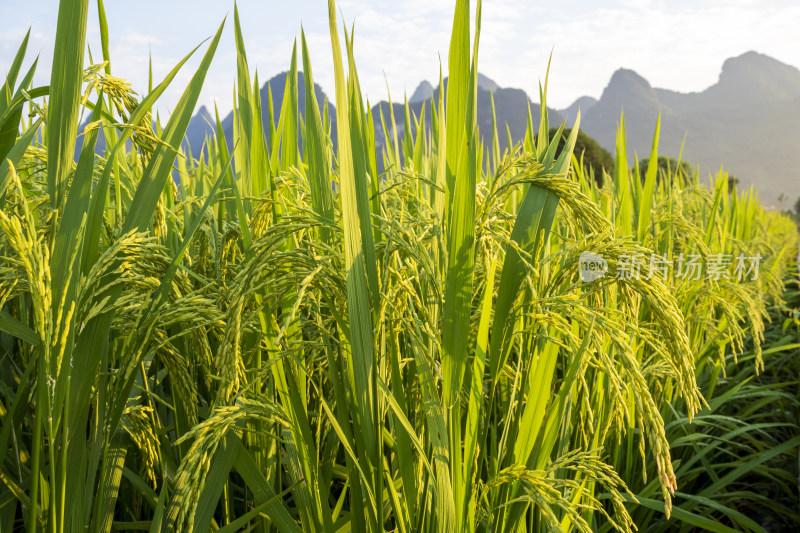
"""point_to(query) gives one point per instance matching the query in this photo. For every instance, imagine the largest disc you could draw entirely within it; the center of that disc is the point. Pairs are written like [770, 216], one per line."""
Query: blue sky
[678, 45]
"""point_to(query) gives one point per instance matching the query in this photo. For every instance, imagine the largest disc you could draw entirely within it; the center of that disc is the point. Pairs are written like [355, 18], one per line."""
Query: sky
[678, 45]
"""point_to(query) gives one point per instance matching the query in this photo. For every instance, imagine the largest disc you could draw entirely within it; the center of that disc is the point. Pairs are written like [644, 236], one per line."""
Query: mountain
[583, 103]
[202, 125]
[511, 106]
[746, 122]
[486, 84]
[511, 111]
[424, 91]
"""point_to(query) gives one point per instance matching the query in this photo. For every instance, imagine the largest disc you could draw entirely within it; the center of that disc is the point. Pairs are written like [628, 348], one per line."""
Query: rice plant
[305, 333]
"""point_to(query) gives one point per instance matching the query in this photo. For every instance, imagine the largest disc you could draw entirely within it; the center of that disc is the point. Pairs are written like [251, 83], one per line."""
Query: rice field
[309, 334]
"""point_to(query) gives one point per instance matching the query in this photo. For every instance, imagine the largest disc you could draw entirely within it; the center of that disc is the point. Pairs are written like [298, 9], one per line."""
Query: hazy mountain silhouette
[201, 125]
[511, 111]
[511, 107]
[747, 122]
[200, 128]
[424, 91]
[583, 104]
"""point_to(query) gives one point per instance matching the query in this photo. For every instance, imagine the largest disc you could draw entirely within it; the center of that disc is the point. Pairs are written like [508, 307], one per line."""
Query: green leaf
[159, 169]
[680, 514]
[14, 327]
[646, 200]
[316, 147]
[67, 76]
[362, 363]
[15, 155]
[94, 224]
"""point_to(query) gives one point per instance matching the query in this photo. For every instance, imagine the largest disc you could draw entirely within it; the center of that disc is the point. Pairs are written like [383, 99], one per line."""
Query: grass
[249, 348]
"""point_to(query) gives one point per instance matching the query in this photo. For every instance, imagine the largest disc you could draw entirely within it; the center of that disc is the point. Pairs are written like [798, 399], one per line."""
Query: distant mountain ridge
[202, 126]
[511, 111]
[511, 106]
[746, 123]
